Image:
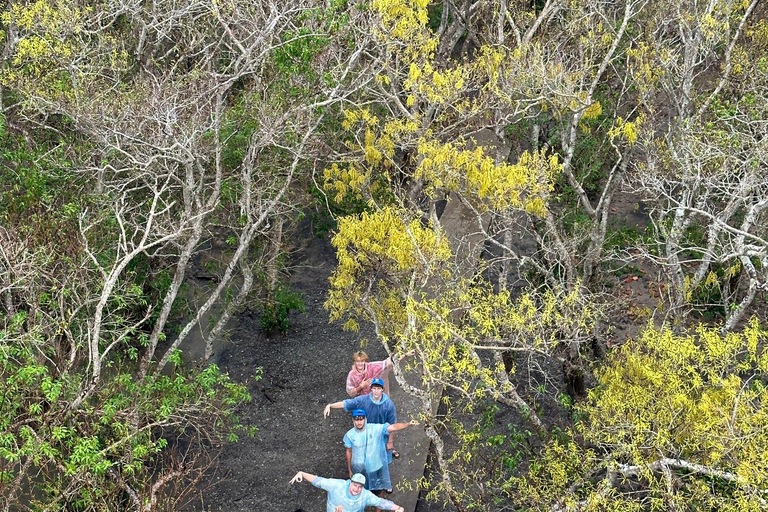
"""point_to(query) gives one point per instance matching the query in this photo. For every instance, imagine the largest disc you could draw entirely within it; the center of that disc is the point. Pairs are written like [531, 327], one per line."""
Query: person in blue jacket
[346, 495]
[378, 408]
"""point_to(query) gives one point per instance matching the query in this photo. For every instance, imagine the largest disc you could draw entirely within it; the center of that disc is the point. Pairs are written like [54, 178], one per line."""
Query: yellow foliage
[626, 130]
[524, 185]
[711, 280]
[593, 111]
[489, 62]
[345, 183]
[361, 115]
[560, 465]
[387, 265]
[733, 270]
[685, 395]
[405, 21]
[435, 86]
[644, 64]
[51, 52]
[380, 241]
[696, 397]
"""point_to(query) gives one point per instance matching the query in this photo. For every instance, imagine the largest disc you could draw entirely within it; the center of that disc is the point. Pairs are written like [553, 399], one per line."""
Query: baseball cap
[377, 382]
[358, 479]
[358, 412]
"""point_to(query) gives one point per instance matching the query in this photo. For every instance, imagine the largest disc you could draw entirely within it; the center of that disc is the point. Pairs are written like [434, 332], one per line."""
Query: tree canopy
[142, 140]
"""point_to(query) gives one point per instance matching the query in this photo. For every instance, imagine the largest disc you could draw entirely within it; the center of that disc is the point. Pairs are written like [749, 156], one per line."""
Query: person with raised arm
[364, 371]
[346, 495]
[378, 409]
[366, 450]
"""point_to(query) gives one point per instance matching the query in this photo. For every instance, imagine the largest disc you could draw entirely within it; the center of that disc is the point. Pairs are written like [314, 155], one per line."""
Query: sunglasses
[359, 418]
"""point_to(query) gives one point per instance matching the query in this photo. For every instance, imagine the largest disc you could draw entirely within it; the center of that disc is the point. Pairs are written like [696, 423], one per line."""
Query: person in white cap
[346, 495]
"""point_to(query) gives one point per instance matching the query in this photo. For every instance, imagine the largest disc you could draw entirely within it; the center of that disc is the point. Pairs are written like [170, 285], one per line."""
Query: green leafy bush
[276, 312]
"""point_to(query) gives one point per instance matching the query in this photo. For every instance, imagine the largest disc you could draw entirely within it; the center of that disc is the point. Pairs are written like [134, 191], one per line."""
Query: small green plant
[275, 313]
[566, 401]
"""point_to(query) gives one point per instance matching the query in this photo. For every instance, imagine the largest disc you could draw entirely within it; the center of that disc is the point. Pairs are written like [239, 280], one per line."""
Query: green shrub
[275, 313]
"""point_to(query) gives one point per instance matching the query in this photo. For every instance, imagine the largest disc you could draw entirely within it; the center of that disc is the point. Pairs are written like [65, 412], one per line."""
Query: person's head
[377, 388]
[360, 359]
[356, 484]
[358, 417]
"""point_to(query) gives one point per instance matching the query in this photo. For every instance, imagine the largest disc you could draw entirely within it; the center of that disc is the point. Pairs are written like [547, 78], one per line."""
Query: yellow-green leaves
[47, 39]
[60, 50]
[383, 244]
[524, 185]
[561, 464]
[697, 397]
[404, 22]
[626, 130]
[678, 416]
[385, 237]
[437, 87]
[531, 320]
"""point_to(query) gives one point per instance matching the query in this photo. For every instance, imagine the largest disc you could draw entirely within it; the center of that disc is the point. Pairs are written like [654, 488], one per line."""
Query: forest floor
[302, 371]
[306, 368]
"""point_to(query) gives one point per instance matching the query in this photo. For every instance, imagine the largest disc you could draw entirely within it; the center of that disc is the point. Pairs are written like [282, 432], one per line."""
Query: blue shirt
[338, 494]
[369, 446]
[376, 412]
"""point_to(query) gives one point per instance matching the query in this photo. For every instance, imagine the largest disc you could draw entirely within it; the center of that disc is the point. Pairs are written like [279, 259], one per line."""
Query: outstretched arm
[401, 426]
[334, 405]
[391, 418]
[386, 505]
[301, 475]
[407, 354]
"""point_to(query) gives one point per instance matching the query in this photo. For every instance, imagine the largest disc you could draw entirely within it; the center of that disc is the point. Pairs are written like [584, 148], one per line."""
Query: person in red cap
[378, 408]
[346, 495]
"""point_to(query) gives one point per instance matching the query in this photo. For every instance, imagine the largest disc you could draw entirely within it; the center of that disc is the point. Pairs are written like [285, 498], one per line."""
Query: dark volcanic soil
[302, 371]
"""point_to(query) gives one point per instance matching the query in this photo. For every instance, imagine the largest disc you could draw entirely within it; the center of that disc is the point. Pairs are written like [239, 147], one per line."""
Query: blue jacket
[381, 412]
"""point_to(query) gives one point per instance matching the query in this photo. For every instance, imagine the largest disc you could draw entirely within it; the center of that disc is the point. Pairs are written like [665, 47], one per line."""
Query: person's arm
[384, 504]
[301, 475]
[334, 405]
[391, 419]
[354, 391]
[349, 461]
[353, 387]
[388, 361]
[401, 426]
[390, 442]
[379, 368]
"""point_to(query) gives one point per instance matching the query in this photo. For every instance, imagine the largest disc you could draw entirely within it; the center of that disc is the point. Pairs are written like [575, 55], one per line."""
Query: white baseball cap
[358, 478]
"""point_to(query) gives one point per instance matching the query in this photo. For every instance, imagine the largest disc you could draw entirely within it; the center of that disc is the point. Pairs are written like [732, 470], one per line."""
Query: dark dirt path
[302, 371]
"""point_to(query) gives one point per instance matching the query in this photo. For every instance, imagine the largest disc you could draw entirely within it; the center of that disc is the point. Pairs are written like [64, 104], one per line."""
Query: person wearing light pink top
[363, 372]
